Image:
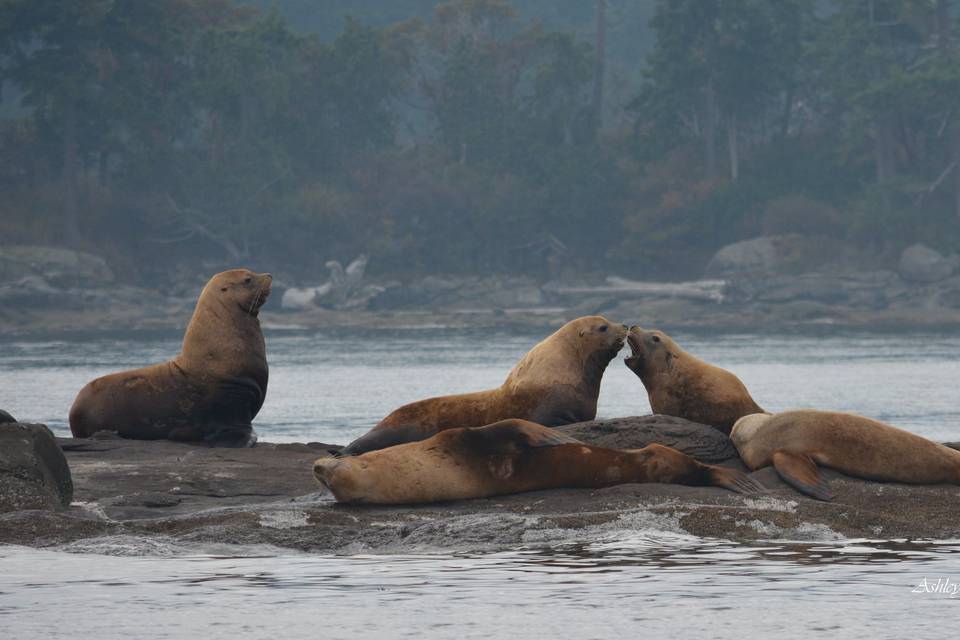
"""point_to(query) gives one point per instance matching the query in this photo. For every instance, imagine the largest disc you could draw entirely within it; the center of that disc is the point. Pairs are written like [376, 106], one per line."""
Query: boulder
[757, 255]
[58, 268]
[920, 263]
[33, 470]
[790, 253]
[696, 440]
[6, 417]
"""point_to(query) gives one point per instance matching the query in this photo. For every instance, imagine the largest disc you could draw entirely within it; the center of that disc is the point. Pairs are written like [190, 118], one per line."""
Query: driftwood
[705, 290]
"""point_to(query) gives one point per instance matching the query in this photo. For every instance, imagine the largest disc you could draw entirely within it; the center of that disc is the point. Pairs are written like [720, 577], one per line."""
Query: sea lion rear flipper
[802, 473]
[734, 480]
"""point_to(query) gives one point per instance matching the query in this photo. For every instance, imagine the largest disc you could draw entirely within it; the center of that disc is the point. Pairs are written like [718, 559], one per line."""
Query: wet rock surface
[33, 470]
[701, 442]
[267, 495]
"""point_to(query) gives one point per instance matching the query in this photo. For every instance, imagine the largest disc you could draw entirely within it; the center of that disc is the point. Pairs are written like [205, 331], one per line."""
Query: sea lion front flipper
[517, 435]
[801, 473]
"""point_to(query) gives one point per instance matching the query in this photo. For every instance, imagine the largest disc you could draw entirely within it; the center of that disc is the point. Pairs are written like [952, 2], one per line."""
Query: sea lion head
[597, 335]
[651, 351]
[241, 288]
[343, 477]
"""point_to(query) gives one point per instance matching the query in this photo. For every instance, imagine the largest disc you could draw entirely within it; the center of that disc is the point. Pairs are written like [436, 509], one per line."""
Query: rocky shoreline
[191, 495]
[766, 284]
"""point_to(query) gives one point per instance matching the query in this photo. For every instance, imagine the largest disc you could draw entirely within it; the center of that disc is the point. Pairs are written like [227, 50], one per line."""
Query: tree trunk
[599, 69]
[787, 112]
[732, 147]
[709, 131]
[71, 230]
[956, 173]
[883, 148]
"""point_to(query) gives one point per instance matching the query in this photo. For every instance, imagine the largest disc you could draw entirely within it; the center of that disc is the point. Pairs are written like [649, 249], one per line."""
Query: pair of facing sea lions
[498, 441]
[212, 391]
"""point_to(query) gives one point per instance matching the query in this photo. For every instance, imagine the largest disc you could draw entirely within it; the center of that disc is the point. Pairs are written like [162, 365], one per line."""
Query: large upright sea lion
[511, 456]
[210, 392]
[678, 384]
[795, 442]
[557, 382]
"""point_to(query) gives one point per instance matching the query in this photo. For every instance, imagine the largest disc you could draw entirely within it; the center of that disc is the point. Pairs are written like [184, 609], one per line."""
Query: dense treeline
[476, 138]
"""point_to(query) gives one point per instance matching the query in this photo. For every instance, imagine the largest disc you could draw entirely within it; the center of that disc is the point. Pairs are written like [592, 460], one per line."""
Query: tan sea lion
[210, 392]
[511, 456]
[557, 382]
[680, 385]
[795, 442]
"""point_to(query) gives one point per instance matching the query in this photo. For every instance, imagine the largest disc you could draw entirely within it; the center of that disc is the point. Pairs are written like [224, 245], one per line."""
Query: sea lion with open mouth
[680, 385]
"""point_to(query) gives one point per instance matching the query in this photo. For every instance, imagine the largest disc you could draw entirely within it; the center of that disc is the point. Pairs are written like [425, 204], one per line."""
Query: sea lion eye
[223, 288]
[247, 280]
[656, 338]
[602, 328]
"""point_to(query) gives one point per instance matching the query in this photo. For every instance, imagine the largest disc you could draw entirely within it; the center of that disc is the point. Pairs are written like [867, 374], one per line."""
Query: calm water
[332, 387]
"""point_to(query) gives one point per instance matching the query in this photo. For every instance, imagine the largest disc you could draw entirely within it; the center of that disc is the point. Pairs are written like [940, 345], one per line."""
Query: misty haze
[479, 318]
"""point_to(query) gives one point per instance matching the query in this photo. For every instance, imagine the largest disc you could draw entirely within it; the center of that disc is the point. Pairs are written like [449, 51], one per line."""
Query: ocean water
[332, 386]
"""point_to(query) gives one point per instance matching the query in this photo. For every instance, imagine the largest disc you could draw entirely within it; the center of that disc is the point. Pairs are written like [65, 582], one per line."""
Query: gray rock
[33, 470]
[6, 417]
[920, 263]
[164, 493]
[697, 440]
[60, 268]
[746, 256]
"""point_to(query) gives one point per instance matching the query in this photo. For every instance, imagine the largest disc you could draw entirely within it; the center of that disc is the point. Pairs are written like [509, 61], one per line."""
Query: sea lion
[678, 384]
[210, 392]
[557, 382]
[795, 442]
[6, 417]
[510, 456]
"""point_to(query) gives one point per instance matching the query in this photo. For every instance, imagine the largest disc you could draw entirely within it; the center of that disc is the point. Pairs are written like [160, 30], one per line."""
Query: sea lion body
[557, 382]
[510, 456]
[210, 392]
[795, 442]
[681, 385]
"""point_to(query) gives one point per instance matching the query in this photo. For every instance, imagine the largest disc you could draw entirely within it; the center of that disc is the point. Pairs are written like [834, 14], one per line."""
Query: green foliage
[455, 137]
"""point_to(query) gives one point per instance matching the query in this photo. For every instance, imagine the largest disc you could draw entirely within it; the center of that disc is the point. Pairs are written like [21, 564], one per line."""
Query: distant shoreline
[667, 314]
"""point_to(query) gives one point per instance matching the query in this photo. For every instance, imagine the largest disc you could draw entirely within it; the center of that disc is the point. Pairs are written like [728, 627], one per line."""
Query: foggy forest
[475, 136]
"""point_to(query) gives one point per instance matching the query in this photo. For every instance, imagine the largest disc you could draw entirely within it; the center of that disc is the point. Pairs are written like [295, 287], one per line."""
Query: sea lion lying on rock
[678, 384]
[557, 382]
[511, 456]
[796, 442]
[210, 392]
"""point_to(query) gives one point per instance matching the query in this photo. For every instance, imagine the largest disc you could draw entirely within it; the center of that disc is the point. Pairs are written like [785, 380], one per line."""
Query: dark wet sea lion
[210, 392]
[511, 456]
[557, 382]
[796, 442]
[678, 384]
[6, 417]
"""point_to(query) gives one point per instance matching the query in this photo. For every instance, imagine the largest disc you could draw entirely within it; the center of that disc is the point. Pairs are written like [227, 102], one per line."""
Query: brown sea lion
[210, 392]
[795, 442]
[510, 456]
[557, 382]
[678, 384]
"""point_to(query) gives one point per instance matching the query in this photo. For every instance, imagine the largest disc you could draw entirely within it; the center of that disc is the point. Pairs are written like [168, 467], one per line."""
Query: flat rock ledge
[183, 495]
